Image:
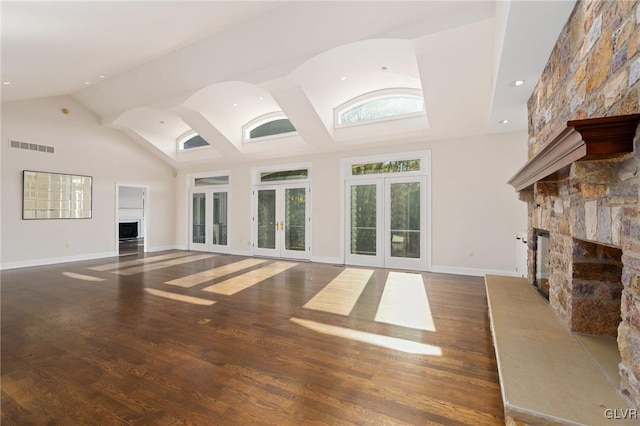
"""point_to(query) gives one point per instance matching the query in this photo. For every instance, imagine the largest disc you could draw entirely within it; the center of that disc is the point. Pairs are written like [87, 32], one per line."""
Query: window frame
[378, 94]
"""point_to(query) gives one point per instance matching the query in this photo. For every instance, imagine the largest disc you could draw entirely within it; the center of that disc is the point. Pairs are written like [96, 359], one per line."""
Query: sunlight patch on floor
[161, 265]
[404, 302]
[82, 277]
[147, 259]
[179, 297]
[211, 274]
[395, 343]
[342, 293]
[234, 285]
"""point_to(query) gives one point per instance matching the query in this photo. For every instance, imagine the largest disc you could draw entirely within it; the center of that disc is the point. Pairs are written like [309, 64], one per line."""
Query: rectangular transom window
[393, 166]
[211, 181]
[284, 175]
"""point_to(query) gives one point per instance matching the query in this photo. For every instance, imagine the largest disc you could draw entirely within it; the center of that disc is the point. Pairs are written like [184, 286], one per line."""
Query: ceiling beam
[298, 108]
[149, 146]
[202, 126]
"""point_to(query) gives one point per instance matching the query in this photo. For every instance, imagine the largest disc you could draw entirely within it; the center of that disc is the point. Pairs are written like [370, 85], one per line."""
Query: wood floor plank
[212, 274]
[236, 284]
[342, 293]
[404, 302]
[134, 262]
[147, 267]
[114, 352]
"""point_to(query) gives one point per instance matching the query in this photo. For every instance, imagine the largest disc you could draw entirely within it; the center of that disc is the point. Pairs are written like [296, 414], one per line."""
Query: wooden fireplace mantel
[581, 140]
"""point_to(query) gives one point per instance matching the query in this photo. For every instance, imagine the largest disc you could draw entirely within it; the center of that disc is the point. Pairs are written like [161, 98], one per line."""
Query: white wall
[475, 214]
[82, 146]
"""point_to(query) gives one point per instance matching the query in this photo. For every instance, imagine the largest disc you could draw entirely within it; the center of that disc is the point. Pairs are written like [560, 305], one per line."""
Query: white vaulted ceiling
[212, 67]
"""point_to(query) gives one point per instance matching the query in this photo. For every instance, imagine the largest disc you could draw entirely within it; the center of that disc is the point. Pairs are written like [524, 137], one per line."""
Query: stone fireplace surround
[582, 188]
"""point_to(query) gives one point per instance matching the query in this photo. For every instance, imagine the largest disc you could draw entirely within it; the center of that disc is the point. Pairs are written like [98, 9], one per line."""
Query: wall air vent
[32, 146]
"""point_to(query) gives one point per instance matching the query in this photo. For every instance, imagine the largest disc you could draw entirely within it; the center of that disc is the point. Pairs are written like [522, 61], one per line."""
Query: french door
[386, 220]
[209, 222]
[281, 219]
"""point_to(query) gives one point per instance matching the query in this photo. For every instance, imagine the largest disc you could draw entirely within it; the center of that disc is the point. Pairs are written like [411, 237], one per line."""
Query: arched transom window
[380, 105]
[268, 125]
[191, 140]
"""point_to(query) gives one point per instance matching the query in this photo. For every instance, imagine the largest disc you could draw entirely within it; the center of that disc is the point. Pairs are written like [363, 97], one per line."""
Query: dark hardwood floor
[128, 246]
[117, 345]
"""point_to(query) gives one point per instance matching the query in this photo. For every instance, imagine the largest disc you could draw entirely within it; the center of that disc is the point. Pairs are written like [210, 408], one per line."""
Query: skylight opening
[380, 105]
[268, 126]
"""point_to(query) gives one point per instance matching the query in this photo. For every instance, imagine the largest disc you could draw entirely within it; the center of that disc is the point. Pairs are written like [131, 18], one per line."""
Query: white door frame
[280, 187]
[145, 214]
[208, 245]
[347, 176]
[280, 249]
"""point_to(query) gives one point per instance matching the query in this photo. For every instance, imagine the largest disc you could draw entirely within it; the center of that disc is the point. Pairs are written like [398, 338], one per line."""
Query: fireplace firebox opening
[541, 258]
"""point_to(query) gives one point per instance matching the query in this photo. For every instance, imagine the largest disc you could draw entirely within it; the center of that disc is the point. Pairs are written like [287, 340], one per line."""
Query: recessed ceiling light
[503, 121]
[102, 76]
[235, 104]
[516, 83]
[260, 98]
[6, 83]
[87, 82]
[343, 78]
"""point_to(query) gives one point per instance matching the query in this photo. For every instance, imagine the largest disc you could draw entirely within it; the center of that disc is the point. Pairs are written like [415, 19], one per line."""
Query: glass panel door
[281, 218]
[219, 228]
[405, 221]
[267, 226]
[198, 221]
[386, 222]
[295, 219]
[364, 222]
[209, 226]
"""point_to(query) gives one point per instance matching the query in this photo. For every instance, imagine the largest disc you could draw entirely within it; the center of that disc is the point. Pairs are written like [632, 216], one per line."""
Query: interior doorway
[131, 215]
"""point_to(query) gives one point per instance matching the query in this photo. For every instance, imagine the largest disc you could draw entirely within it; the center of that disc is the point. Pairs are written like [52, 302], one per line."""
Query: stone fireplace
[581, 182]
[582, 191]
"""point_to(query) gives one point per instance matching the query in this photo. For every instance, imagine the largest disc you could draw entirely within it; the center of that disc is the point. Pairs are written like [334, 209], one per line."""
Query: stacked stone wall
[593, 71]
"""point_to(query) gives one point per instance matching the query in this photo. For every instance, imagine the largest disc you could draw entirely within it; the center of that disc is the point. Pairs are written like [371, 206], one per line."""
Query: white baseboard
[54, 260]
[330, 260]
[473, 272]
[163, 248]
[240, 252]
